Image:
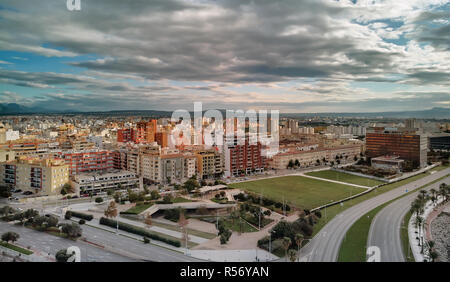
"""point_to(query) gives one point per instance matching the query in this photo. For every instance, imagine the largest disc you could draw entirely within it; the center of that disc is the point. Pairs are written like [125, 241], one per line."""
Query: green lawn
[302, 192]
[345, 177]
[16, 248]
[137, 209]
[407, 252]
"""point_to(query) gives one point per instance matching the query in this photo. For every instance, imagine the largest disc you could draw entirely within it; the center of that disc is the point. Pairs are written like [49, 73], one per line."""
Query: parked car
[27, 193]
[18, 191]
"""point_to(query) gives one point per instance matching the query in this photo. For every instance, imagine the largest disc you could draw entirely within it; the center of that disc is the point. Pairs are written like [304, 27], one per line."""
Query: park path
[334, 181]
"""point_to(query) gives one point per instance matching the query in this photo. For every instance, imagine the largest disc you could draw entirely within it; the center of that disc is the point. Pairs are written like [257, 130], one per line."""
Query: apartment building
[87, 161]
[309, 158]
[40, 176]
[210, 163]
[244, 159]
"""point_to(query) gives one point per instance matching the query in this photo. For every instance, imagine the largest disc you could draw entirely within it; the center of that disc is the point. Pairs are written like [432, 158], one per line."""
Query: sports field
[300, 191]
[345, 177]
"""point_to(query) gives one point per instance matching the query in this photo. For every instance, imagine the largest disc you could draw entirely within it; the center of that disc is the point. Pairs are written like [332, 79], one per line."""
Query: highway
[133, 248]
[324, 247]
[51, 244]
[385, 229]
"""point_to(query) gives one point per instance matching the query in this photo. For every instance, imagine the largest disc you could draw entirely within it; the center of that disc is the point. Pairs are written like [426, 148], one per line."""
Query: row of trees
[418, 208]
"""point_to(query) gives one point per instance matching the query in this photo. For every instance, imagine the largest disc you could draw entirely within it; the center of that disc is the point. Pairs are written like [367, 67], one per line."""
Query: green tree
[10, 237]
[71, 230]
[299, 240]
[62, 256]
[286, 244]
[292, 254]
[154, 195]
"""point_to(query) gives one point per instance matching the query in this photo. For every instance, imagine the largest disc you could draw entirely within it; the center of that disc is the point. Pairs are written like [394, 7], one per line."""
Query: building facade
[408, 145]
[40, 176]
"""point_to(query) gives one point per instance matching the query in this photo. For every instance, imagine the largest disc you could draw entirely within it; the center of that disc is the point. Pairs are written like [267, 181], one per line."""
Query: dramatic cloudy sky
[293, 55]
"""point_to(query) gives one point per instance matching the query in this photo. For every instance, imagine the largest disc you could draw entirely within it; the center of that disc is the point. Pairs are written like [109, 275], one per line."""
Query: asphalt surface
[133, 248]
[324, 247]
[385, 228]
[51, 244]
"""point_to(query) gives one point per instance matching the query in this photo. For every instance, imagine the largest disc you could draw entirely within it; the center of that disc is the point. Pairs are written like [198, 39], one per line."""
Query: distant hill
[434, 113]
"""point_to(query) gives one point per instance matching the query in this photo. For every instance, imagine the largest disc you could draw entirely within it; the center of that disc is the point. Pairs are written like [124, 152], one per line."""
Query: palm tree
[298, 240]
[443, 191]
[292, 255]
[433, 193]
[286, 244]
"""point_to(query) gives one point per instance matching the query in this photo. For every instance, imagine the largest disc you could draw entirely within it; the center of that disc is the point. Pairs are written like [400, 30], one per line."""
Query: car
[27, 193]
[17, 190]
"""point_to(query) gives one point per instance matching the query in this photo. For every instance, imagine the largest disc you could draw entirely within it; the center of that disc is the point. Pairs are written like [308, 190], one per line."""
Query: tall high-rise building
[146, 131]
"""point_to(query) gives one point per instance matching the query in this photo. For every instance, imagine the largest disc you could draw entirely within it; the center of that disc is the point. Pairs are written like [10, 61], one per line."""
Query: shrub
[68, 215]
[138, 231]
[84, 216]
[99, 200]
[318, 214]
[146, 240]
[62, 256]
[81, 221]
[71, 230]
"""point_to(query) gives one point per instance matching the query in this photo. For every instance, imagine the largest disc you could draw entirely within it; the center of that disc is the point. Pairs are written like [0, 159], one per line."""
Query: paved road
[325, 245]
[46, 243]
[385, 229]
[132, 247]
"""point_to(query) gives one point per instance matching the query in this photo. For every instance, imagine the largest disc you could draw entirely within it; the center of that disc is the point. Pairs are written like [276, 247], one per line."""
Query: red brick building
[88, 161]
[244, 159]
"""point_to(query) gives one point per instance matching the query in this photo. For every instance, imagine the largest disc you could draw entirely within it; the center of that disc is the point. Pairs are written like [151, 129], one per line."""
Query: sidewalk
[414, 243]
[334, 181]
[233, 255]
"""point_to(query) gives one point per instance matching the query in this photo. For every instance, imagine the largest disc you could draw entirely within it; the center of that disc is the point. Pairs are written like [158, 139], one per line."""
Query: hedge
[84, 216]
[138, 231]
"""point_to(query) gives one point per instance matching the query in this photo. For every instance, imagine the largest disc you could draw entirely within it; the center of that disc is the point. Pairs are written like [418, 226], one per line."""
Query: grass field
[407, 252]
[345, 177]
[302, 192]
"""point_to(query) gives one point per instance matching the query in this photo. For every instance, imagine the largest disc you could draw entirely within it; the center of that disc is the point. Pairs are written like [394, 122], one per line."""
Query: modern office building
[408, 145]
[103, 181]
[439, 142]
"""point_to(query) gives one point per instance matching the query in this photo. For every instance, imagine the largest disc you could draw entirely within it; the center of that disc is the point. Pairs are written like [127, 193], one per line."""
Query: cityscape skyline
[293, 56]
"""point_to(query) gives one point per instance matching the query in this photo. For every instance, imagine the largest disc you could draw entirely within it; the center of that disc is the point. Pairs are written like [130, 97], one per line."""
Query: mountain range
[434, 113]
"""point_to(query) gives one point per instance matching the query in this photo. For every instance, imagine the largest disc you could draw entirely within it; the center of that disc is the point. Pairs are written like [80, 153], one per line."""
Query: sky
[292, 55]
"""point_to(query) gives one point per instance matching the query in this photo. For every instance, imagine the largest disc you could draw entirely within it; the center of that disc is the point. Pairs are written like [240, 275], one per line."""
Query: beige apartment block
[310, 158]
[42, 177]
